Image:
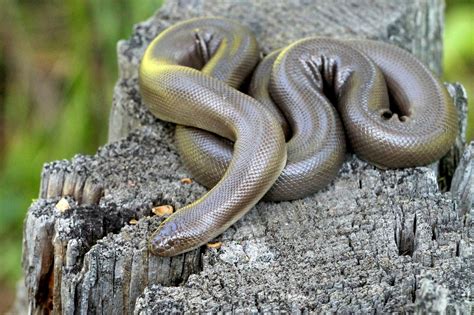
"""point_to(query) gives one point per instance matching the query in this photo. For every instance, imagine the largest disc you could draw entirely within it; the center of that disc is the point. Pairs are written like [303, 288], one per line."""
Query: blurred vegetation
[458, 58]
[57, 71]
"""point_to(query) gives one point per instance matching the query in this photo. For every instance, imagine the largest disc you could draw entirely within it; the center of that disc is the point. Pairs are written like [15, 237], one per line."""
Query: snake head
[164, 240]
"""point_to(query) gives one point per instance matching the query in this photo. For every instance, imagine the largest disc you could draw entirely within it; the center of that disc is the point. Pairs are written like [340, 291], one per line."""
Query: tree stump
[372, 241]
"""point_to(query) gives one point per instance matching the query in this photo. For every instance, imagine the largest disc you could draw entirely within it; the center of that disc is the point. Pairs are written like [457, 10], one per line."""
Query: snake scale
[287, 138]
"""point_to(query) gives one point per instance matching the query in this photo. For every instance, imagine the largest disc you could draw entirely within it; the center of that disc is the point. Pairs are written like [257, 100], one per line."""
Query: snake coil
[288, 138]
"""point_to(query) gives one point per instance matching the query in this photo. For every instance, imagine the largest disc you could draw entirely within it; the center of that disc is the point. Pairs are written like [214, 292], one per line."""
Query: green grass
[57, 71]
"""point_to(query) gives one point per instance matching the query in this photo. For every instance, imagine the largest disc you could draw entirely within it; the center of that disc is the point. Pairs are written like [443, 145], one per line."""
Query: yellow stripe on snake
[287, 138]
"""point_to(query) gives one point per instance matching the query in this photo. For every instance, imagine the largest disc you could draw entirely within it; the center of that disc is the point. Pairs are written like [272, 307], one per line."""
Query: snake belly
[175, 90]
[391, 109]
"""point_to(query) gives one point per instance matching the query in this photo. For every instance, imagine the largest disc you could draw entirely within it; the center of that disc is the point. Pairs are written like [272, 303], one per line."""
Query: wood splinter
[62, 205]
[163, 210]
[186, 181]
[215, 245]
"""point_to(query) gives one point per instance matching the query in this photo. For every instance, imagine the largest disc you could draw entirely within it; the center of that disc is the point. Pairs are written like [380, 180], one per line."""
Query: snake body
[235, 144]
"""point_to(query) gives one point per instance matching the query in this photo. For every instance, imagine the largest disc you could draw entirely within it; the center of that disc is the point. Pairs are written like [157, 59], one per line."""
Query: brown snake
[235, 143]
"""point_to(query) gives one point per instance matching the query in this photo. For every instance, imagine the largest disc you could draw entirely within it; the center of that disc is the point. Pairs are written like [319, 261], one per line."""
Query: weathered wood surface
[373, 240]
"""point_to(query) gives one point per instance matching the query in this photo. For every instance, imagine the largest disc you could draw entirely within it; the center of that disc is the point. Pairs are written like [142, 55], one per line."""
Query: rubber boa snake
[307, 99]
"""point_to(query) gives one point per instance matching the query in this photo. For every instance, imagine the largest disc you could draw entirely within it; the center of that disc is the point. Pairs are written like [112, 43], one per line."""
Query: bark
[373, 240]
